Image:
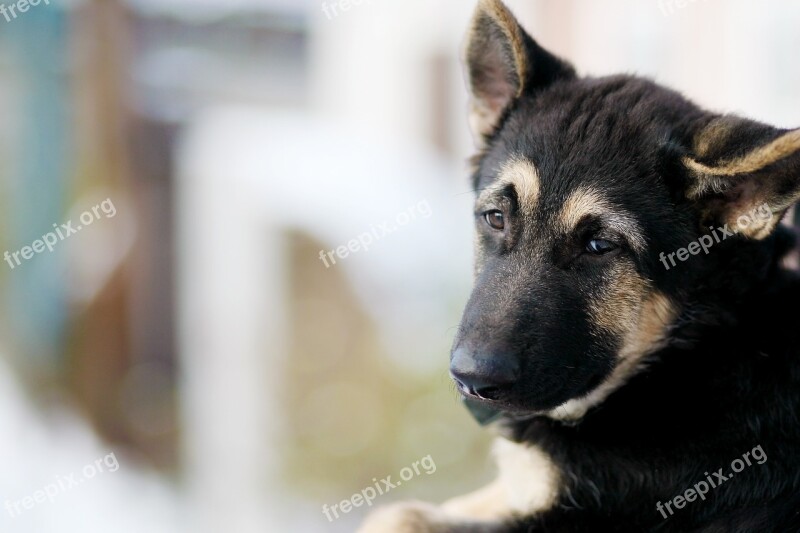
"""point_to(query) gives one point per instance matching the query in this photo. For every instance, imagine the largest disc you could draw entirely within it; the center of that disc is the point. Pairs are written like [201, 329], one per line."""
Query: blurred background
[262, 325]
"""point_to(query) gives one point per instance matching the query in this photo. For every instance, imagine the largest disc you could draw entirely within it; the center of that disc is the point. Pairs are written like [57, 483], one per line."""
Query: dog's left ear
[503, 63]
[744, 174]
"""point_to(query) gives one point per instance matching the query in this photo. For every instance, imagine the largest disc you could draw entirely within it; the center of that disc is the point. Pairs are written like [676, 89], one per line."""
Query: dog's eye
[495, 219]
[600, 247]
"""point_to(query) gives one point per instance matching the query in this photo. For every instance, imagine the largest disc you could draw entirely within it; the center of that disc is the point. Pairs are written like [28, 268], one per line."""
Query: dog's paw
[405, 517]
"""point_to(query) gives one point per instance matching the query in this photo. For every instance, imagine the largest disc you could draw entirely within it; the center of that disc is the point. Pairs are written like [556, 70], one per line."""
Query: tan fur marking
[586, 201]
[713, 135]
[522, 174]
[655, 317]
[759, 158]
[580, 203]
[619, 312]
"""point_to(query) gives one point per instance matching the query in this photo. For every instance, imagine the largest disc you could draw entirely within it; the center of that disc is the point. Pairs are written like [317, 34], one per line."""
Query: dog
[633, 328]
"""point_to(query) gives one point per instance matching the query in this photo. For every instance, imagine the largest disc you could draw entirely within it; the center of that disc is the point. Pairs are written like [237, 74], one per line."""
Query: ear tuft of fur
[740, 168]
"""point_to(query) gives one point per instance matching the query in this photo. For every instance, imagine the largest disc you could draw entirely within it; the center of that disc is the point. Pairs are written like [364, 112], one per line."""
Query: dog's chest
[530, 477]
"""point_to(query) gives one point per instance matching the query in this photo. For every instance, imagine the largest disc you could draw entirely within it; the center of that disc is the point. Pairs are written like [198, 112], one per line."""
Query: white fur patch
[528, 475]
[488, 503]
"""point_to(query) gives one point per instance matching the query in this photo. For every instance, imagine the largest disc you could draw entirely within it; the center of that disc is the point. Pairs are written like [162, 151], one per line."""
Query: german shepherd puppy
[633, 326]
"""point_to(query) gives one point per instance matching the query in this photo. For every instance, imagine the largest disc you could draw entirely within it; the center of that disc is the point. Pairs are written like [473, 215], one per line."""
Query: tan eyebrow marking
[522, 174]
[586, 201]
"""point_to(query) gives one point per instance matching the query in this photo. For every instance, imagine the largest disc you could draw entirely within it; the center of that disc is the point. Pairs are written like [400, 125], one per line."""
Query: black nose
[485, 376]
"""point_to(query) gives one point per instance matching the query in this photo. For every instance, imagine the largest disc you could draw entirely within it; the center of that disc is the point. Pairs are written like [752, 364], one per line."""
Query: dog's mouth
[486, 412]
[483, 413]
[488, 404]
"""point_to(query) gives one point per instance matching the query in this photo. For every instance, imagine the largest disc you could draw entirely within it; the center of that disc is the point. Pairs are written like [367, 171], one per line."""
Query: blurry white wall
[371, 64]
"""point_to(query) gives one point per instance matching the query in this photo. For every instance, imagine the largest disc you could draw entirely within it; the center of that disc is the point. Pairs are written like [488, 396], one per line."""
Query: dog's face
[582, 185]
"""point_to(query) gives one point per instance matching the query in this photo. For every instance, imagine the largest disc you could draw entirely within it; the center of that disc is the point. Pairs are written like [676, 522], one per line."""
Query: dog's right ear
[503, 63]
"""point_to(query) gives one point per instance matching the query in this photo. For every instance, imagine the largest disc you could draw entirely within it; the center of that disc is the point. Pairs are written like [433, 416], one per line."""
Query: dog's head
[584, 187]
